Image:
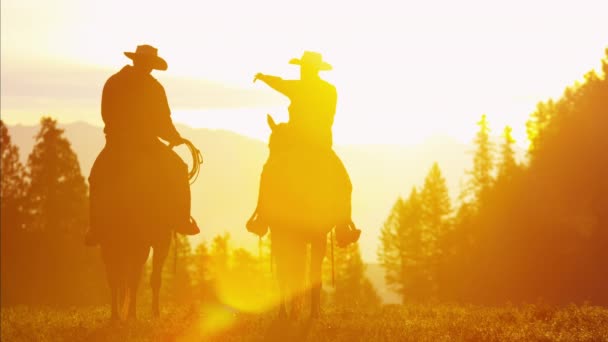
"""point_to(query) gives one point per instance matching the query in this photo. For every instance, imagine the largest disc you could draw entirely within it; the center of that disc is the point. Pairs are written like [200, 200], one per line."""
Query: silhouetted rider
[311, 117]
[313, 100]
[136, 113]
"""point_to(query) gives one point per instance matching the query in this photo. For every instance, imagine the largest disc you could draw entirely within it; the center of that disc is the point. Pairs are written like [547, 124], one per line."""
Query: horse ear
[271, 122]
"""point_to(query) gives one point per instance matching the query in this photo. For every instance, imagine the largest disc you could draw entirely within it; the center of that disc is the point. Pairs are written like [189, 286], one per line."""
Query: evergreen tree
[508, 163]
[58, 192]
[537, 123]
[13, 256]
[436, 208]
[542, 233]
[483, 163]
[178, 276]
[220, 256]
[352, 287]
[247, 285]
[403, 250]
[390, 253]
[202, 281]
[13, 186]
[63, 269]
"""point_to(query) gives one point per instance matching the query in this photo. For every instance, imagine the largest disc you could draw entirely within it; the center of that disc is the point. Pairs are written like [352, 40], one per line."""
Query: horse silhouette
[132, 217]
[302, 205]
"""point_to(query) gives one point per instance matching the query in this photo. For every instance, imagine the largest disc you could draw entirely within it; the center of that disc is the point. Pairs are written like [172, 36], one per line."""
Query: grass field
[389, 323]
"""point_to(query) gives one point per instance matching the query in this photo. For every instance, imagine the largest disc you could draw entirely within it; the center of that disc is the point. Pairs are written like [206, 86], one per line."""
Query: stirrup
[190, 228]
[257, 225]
[346, 234]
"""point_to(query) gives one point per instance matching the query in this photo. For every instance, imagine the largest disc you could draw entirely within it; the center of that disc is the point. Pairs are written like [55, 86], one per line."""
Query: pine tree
[403, 250]
[64, 270]
[537, 124]
[58, 192]
[13, 186]
[220, 256]
[247, 286]
[352, 288]
[390, 253]
[508, 163]
[178, 276]
[202, 281]
[436, 208]
[483, 163]
[13, 256]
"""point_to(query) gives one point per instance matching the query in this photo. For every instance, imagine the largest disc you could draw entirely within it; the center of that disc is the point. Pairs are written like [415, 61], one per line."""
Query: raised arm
[284, 87]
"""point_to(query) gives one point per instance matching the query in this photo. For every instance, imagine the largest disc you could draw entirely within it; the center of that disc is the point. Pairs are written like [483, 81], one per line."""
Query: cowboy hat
[313, 59]
[150, 54]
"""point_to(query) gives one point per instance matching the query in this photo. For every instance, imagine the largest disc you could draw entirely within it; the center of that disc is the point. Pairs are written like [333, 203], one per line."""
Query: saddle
[142, 187]
[303, 189]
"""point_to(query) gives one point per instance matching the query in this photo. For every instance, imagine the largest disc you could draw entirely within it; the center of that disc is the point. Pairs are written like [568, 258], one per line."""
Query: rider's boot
[347, 233]
[188, 228]
[257, 225]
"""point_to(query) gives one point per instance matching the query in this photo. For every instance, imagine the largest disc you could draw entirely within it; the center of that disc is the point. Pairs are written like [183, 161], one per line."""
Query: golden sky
[405, 70]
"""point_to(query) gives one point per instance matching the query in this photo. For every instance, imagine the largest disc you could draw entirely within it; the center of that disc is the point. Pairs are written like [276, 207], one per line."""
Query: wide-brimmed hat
[313, 59]
[148, 53]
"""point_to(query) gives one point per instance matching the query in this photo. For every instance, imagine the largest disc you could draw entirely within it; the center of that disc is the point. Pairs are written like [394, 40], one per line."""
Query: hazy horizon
[263, 129]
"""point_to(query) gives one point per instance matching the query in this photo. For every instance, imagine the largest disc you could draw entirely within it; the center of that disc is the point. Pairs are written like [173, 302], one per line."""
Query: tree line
[521, 231]
[44, 261]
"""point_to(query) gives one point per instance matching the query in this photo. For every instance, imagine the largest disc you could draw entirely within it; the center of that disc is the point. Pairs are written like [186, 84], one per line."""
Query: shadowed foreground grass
[390, 323]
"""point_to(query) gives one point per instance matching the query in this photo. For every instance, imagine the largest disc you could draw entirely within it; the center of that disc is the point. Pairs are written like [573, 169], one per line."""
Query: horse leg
[111, 268]
[297, 276]
[140, 255]
[131, 291]
[113, 284]
[283, 291]
[318, 248]
[282, 306]
[278, 250]
[123, 298]
[114, 291]
[161, 250]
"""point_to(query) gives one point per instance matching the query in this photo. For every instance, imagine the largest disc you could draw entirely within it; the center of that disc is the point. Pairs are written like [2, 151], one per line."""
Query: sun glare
[420, 70]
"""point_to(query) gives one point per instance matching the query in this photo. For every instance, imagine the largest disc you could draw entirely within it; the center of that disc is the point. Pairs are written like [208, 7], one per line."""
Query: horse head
[280, 137]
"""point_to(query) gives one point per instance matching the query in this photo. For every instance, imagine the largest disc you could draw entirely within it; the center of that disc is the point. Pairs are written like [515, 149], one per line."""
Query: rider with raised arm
[311, 116]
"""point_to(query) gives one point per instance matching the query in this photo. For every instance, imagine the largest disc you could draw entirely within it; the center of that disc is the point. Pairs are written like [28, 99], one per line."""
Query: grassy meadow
[389, 323]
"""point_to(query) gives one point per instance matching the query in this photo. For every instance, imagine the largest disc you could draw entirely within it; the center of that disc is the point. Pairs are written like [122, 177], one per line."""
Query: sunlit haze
[463, 196]
[405, 71]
